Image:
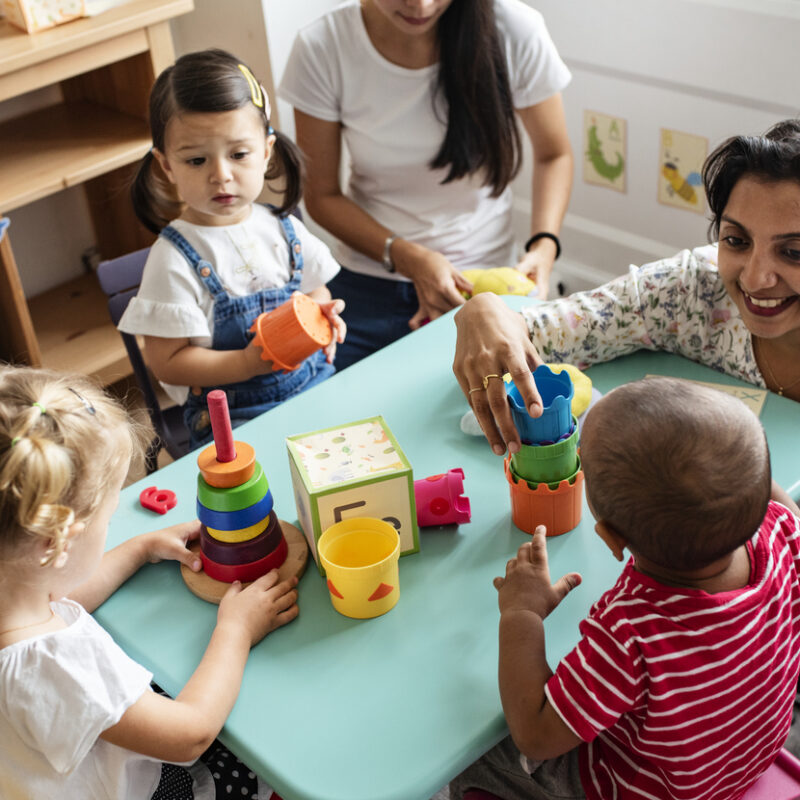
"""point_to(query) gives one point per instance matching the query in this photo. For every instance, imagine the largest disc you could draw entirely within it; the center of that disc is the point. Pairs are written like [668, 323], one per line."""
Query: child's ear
[164, 164]
[268, 149]
[615, 543]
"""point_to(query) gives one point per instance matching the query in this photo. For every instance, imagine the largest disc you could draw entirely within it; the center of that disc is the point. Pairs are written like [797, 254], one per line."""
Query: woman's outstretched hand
[492, 340]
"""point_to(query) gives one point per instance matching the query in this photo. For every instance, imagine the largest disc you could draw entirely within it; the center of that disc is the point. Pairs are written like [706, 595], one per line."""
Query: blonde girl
[77, 716]
[221, 258]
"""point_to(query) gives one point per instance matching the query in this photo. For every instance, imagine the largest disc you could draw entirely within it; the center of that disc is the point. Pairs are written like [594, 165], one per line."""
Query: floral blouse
[677, 304]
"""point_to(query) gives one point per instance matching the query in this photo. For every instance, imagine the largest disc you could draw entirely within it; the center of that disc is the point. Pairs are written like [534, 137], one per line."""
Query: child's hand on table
[332, 309]
[526, 586]
[171, 544]
[261, 607]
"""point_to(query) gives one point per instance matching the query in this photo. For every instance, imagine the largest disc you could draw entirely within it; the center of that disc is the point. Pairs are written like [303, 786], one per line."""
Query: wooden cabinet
[105, 67]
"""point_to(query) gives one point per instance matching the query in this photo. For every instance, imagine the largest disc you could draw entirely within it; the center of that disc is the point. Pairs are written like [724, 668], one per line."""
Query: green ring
[237, 497]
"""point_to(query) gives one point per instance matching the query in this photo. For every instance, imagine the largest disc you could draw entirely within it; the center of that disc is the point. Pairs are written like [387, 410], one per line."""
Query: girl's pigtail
[287, 163]
[154, 200]
[35, 475]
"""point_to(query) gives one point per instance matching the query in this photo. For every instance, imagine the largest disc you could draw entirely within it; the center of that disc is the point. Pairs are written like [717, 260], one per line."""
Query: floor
[128, 392]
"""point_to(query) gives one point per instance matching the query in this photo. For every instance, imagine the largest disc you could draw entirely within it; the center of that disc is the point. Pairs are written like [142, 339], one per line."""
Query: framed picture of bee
[680, 164]
[605, 150]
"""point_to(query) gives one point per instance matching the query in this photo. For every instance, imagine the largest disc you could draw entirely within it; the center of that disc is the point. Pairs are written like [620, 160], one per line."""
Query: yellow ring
[241, 534]
[476, 389]
[486, 380]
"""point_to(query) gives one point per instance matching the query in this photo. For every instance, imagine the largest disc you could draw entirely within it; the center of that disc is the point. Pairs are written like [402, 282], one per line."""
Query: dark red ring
[228, 573]
[259, 546]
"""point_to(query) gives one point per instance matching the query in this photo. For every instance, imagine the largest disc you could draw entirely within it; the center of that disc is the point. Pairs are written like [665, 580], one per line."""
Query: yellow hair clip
[255, 88]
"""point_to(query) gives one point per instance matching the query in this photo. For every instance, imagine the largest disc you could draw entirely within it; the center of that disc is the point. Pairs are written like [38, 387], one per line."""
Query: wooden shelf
[104, 67]
[32, 61]
[75, 332]
[65, 145]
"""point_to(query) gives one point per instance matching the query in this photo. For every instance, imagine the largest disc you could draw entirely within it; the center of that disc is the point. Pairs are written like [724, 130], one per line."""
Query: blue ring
[233, 520]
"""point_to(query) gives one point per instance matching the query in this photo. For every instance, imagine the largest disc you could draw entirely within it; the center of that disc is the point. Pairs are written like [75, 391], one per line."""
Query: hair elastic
[256, 95]
[40, 407]
[15, 440]
[86, 404]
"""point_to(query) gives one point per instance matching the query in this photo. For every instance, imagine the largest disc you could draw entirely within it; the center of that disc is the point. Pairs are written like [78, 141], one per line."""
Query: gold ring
[476, 389]
[486, 380]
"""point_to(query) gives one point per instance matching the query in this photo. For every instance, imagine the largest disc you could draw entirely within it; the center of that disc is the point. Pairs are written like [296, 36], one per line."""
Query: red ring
[228, 573]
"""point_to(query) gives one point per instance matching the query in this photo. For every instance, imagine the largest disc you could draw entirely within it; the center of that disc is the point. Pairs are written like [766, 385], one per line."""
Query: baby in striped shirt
[682, 684]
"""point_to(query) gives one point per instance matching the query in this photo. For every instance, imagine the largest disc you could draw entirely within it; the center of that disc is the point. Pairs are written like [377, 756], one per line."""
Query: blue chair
[119, 279]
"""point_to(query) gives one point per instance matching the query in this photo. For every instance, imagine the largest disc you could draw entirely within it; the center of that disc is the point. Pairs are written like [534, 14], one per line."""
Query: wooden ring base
[212, 591]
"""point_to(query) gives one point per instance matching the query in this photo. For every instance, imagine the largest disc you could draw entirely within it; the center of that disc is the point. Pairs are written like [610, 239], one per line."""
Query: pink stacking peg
[221, 425]
[440, 500]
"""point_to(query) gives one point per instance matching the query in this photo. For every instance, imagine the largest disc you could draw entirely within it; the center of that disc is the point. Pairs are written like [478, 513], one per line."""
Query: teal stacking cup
[556, 390]
[546, 463]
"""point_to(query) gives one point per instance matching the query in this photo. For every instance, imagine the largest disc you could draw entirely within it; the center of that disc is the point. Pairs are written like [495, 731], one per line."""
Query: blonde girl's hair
[61, 438]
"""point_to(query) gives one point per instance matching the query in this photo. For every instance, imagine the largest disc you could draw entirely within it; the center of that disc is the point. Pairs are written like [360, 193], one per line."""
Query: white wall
[712, 68]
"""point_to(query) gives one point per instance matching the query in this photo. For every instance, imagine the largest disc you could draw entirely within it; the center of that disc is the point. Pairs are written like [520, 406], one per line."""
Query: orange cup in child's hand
[288, 335]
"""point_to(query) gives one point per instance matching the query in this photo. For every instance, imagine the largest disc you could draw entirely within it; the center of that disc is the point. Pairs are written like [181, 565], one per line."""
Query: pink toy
[158, 500]
[221, 425]
[440, 500]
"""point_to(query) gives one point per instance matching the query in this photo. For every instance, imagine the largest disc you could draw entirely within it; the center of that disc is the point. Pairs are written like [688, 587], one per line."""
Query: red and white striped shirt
[683, 695]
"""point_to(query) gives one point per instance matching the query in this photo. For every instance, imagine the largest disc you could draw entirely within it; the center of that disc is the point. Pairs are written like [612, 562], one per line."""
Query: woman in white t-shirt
[424, 96]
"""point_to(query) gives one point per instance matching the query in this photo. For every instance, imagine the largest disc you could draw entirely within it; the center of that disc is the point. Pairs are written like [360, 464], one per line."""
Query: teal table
[389, 708]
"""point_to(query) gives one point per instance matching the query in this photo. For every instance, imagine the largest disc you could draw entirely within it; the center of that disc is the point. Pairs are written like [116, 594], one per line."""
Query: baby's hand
[332, 309]
[261, 607]
[526, 586]
[170, 544]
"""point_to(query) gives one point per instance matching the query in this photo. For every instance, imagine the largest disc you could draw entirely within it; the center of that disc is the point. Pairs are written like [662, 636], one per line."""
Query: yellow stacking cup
[360, 557]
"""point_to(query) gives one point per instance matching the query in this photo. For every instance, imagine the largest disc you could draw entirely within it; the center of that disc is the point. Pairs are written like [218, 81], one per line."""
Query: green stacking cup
[546, 463]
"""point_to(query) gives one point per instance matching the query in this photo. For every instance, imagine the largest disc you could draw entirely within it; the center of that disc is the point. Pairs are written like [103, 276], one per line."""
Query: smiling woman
[732, 305]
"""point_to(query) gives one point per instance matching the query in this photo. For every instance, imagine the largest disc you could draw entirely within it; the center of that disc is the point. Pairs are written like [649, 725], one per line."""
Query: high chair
[780, 782]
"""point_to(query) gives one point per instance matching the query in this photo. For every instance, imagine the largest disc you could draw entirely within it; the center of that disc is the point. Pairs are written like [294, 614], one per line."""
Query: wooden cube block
[353, 470]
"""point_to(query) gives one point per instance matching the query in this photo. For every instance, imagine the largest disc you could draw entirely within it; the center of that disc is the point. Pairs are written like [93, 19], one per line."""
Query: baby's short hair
[681, 471]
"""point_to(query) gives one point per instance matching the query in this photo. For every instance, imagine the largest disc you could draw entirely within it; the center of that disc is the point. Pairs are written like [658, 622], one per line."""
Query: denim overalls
[233, 317]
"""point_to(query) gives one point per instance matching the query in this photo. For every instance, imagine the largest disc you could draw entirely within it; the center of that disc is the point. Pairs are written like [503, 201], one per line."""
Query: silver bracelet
[387, 262]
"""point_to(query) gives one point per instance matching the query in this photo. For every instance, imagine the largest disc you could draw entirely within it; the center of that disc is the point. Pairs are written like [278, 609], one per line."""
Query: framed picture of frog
[605, 143]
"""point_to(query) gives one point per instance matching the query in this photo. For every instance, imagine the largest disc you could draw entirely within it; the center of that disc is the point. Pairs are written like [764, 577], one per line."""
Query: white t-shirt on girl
[392, 129]
[247, 257]
[58, 692]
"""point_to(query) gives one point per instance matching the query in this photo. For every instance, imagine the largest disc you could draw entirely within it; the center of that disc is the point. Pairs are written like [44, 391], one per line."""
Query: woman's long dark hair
[775, 156]
[207, 81]
[482, 130]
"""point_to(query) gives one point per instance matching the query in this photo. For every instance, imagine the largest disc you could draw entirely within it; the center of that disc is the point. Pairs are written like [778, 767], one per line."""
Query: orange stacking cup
[558, 509]
[292, 332]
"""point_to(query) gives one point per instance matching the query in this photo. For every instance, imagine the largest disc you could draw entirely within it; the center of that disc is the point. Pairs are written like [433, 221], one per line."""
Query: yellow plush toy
[500, 280]
[582, 387]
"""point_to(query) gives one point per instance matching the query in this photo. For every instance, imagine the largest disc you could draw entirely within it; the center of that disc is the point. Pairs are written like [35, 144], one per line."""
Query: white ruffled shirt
[248, 257]
[58, 692]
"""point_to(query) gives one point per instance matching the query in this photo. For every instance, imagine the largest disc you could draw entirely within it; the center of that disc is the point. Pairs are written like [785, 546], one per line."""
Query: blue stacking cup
[556, 391]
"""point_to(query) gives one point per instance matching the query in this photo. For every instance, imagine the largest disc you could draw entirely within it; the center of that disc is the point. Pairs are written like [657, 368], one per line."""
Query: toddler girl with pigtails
[221, 258]
[78, 719]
